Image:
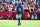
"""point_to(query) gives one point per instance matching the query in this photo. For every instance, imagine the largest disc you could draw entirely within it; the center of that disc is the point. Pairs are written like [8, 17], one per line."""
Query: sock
[19, 21]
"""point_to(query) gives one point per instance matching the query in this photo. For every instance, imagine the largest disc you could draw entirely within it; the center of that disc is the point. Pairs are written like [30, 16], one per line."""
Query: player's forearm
[15, 10]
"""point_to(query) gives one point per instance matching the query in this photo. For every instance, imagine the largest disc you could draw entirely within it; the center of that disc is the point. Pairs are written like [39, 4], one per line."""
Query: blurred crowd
[10, 5]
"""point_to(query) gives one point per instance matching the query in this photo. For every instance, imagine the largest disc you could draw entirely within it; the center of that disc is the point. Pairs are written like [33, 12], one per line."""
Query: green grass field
[24, 23]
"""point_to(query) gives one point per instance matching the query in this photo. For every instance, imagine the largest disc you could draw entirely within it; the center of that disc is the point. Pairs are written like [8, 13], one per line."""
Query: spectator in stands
[27, 4]
[13, 2]
[5, 9]
[1, 7]
[10, 7]
[14, 7]
[3, 1]
[0, 1]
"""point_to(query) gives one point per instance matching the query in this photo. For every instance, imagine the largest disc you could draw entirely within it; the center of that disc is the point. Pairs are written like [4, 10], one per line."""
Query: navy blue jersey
[19, 9]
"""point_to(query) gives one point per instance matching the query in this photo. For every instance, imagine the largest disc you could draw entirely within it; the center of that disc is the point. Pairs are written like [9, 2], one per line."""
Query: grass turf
[24, 23]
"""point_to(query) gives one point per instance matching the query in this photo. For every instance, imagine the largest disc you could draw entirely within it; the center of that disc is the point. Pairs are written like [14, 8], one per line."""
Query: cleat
[18, 24]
